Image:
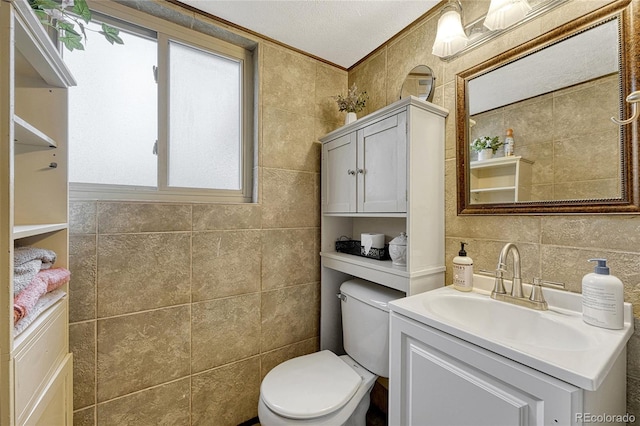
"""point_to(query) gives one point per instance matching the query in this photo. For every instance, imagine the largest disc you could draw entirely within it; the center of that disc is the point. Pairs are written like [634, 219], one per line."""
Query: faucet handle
[498, 286]
[536, 293]
[552, 284]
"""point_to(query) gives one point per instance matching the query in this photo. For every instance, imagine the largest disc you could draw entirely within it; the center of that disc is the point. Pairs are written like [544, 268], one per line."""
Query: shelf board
[496, 189]
[35, 45]
[26, 134]
[365, 214]
[497, 162]
[24, 231]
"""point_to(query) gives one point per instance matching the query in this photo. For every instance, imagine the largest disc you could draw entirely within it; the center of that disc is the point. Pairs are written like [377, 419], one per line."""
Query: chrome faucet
[517, 297]
[516, 287]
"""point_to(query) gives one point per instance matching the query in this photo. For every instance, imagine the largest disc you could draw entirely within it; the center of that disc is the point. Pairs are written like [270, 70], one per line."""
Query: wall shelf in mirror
[581, 161]
[500, 180]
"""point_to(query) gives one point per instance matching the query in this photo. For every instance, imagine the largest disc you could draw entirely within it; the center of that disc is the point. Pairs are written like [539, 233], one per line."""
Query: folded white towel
[27, 262]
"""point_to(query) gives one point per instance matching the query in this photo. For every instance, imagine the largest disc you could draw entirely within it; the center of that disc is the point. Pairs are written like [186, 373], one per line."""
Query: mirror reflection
[420, 83]
[557, 102]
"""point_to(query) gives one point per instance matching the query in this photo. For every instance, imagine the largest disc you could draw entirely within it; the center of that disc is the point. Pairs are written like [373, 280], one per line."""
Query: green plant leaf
[111, 34]
[81, 9]
[71, 41]
[68, 27]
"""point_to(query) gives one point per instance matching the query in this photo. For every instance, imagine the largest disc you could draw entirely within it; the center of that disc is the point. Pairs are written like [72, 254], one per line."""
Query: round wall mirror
[419, 83]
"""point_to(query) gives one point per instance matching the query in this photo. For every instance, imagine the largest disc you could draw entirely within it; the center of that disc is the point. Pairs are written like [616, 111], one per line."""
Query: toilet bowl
[326, 389]
[317, 389]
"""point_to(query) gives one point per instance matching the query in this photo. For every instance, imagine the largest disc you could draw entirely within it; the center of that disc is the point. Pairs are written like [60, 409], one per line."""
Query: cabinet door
[339, 175]
[441, 390]
[382, 166]
[438, 379]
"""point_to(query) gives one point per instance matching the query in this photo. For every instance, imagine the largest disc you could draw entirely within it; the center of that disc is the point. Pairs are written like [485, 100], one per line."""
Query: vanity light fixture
[450, 36]
[633, 99]
[504, 13]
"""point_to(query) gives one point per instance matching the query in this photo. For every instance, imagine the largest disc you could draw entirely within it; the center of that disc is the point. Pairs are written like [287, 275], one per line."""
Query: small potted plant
[486, 146]
[352, 103]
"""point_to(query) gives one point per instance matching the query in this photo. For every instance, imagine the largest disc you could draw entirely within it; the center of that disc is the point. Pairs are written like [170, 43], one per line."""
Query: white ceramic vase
[350, 118]
[485, 154]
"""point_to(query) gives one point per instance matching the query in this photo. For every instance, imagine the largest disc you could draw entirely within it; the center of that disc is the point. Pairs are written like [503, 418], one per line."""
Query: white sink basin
[556, 341]
[513, 324]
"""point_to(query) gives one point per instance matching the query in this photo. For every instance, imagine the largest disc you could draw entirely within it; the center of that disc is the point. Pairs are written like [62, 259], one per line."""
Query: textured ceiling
[341, 32]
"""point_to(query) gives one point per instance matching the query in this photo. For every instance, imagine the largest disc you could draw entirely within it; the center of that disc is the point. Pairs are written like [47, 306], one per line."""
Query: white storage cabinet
[383, 173]
[35, 367]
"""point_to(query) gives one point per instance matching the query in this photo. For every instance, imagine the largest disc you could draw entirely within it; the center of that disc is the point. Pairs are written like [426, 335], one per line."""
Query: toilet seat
[309, 386]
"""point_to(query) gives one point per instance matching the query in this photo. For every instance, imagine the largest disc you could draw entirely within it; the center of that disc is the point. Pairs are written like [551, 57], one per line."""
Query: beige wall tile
[116, 218]
[288, 80]
[228, 394]
[142, 350]
[85, 417]
[289, 315]
[162, 405]
[330, 81]
[271, 359]
[142, 271]
[289, 256]
[225, 263]
[83, 266]
[82, 342]
[370, 76]
[209, 217]
[290, 199]
[289, 141]
[83, 217]
[224, 331]
[601, 188]
[611, 233]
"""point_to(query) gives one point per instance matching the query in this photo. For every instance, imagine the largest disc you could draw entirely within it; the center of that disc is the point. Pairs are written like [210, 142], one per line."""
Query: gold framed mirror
[556, 94]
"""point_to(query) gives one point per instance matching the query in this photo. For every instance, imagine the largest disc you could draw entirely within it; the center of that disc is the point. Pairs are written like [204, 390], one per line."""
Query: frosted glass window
[113, 111]
[205, 110]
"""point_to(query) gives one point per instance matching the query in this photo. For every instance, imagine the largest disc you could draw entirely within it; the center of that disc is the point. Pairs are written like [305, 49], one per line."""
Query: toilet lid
[309, 386]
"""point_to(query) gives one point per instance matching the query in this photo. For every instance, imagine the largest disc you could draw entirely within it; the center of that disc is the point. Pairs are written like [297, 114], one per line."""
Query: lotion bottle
[509, 145]
[602, 298]
[462, 270]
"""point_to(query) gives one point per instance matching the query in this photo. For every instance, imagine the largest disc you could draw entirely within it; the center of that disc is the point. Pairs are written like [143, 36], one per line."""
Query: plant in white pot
[352, 103]
[486, 146]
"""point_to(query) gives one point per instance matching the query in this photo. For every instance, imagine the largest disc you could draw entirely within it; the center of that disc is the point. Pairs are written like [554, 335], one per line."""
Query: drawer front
[55, 404]
[39, 356]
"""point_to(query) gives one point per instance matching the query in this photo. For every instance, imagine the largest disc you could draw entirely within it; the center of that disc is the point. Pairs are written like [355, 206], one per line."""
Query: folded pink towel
[45, 281]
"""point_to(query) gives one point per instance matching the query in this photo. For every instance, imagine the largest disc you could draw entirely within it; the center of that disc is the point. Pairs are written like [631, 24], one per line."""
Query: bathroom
[197, 355]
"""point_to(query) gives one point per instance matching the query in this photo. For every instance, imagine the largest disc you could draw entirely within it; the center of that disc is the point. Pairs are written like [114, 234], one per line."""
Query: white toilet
[323, 388]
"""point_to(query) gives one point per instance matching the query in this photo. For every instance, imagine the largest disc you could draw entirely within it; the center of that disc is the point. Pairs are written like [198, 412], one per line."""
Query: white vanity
[466, 359]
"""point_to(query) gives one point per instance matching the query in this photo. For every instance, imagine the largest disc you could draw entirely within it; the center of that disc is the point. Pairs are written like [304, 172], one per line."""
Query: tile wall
[177, 311]
[553, 247]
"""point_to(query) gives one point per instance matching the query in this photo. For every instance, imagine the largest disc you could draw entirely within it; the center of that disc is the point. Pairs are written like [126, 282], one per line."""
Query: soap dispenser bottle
[462, 270]
[602, 298]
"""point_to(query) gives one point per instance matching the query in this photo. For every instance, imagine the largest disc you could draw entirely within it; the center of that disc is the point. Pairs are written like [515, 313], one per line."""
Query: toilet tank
[365, 323]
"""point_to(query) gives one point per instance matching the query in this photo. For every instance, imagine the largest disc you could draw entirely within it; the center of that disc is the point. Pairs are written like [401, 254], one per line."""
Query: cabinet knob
[351, 172]
[361, 171]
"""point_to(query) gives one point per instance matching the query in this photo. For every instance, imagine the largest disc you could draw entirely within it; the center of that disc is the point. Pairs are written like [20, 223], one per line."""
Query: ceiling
[339, 31]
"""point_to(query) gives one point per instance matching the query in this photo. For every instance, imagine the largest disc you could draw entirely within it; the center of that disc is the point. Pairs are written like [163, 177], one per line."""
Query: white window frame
[167, 31]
